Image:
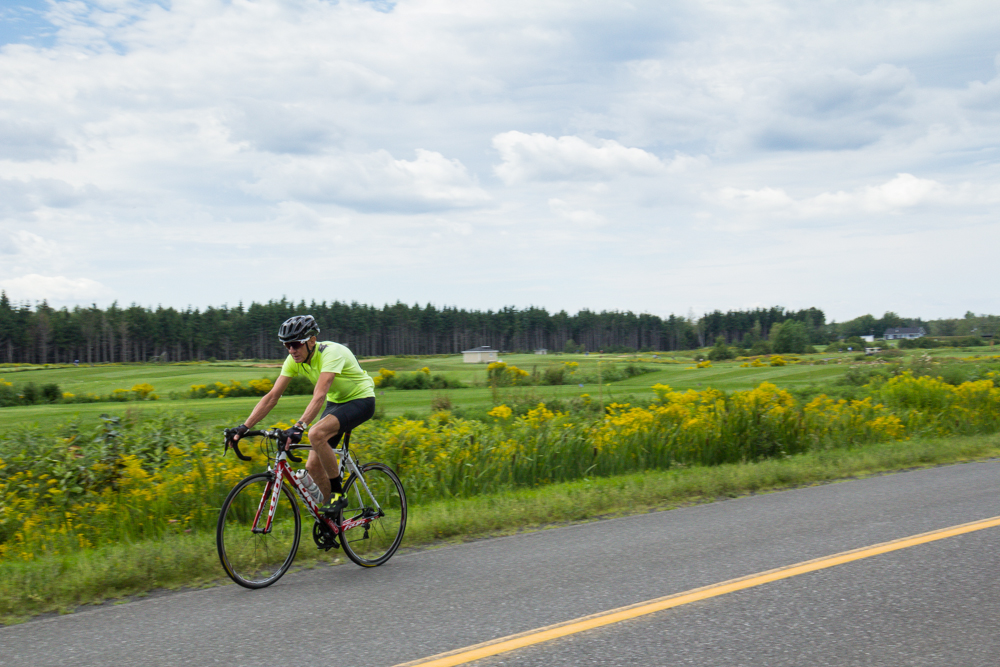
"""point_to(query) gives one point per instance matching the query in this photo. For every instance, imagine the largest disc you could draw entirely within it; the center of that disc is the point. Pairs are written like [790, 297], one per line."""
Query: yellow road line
[512, 642]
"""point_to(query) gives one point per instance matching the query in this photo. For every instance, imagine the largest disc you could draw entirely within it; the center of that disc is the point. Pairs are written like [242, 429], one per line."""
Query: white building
[904, 332]
[483, 354]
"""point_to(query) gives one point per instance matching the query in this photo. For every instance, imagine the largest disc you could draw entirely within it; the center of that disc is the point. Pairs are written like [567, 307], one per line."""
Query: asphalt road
[933, 604]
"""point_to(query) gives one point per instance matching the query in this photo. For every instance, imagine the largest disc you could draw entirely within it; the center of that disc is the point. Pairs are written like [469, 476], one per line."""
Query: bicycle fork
[270, 496]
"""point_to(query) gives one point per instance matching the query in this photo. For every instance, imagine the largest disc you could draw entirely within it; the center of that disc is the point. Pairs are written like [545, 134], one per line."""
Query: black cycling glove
[237, 433]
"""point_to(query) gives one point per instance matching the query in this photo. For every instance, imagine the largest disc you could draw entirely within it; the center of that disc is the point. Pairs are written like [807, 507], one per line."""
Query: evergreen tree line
[41, 334]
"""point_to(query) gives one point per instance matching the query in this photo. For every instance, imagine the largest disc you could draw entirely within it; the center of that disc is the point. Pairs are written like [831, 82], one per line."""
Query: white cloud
[578, 216]
[763, 199]
[529, 157]
[836, 109]
[905, 191]
[55, 289]
[29, 246]
[23, 196]
[296, 214]
[374, 181]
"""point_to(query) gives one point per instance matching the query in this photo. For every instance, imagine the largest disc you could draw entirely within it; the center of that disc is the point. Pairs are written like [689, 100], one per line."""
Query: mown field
[171, 383]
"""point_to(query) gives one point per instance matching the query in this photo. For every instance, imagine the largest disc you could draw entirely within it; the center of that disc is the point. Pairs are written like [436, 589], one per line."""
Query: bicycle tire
[256, 560]
[375, 544]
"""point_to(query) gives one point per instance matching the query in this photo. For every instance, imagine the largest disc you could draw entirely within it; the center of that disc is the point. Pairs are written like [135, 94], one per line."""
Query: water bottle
[311, 487]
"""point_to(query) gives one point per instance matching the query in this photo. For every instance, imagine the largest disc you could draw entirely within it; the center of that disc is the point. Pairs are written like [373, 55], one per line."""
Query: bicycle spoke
[254, 558]
[374, 543]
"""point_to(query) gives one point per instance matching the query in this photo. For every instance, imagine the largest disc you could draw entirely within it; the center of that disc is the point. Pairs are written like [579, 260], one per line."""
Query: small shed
[541, 350]
[483, 354]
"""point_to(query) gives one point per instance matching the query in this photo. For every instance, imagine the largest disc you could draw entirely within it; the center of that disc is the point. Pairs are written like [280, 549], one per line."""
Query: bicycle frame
[282, 472]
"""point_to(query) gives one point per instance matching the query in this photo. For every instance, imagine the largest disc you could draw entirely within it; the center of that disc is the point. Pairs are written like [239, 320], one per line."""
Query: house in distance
[483, 354]
[904, 332]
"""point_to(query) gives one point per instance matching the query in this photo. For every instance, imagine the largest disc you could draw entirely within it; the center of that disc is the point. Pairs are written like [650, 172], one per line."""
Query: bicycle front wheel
[379, 497]
[252, 557]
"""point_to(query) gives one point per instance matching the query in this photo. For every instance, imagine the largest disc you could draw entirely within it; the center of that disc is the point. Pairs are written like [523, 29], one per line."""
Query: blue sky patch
[24, 22]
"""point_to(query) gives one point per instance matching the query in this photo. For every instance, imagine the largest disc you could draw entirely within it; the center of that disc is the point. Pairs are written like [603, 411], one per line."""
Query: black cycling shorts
[350, 415]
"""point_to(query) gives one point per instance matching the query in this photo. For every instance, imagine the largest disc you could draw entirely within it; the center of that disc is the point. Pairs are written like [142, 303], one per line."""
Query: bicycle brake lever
[290, 453]
[286, 446]
[236, 448]
[235, 445]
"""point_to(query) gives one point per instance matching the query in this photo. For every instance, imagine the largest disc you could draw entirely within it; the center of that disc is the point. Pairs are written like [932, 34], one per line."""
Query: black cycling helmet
[299, 327]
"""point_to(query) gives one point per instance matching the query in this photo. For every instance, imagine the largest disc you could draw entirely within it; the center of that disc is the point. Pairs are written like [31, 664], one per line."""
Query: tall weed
[132, 480]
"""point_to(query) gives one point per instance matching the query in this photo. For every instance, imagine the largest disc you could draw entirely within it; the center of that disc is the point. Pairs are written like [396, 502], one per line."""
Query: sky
[657, 157]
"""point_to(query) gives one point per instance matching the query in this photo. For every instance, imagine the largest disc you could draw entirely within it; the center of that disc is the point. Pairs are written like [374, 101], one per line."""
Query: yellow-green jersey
[351, 381]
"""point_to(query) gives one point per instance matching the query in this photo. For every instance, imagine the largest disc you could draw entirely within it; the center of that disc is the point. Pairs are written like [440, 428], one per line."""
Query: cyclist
[347, 391]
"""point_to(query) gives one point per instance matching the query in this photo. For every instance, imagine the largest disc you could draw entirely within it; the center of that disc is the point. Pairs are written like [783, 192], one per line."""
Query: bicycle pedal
[333, 509]
[327, 547]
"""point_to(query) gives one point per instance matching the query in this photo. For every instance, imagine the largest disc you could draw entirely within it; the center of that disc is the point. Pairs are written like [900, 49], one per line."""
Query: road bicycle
[260, 525]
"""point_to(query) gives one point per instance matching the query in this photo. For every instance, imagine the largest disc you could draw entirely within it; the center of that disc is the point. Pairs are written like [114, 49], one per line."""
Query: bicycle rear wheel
[384, 501]
[253, 558]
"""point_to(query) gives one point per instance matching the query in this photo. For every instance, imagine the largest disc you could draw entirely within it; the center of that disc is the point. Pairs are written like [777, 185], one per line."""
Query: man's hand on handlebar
[290, 437]
[233, 436]
[236, 433]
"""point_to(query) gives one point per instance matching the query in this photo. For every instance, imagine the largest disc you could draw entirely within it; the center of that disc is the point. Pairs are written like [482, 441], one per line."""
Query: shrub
[417, 380]
[553, 375]
[918, 343]
[421, 379]
[852, 344]
[721, 351]
[29, 394]
[873, 374]
[235, 388]
[8, 396]
[299, 386]
[385, 378]
[502, 375]
[51, 393]
[439, 381]
[633, 370]
[441, 403]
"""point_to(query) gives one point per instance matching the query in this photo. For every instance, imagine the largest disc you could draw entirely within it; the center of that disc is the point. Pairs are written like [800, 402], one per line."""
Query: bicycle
[260, 525]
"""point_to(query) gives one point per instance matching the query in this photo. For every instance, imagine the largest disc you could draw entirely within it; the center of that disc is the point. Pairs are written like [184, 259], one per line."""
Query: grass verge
[96, 576]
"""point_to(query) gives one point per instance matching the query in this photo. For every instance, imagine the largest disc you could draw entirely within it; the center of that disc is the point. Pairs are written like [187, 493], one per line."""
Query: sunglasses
[296, 344]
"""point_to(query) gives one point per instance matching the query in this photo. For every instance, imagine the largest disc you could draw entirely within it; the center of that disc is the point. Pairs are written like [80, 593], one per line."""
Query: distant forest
[41, 334]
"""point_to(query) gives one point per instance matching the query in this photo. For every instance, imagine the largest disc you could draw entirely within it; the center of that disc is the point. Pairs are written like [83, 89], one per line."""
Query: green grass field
[105, 378]
[675, 370]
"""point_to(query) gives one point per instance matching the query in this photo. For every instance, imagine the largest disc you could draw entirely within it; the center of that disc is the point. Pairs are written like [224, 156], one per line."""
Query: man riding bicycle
[347, 391]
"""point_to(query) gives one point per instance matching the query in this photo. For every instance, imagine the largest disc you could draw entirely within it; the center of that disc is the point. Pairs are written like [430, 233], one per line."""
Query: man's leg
[322, 463]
